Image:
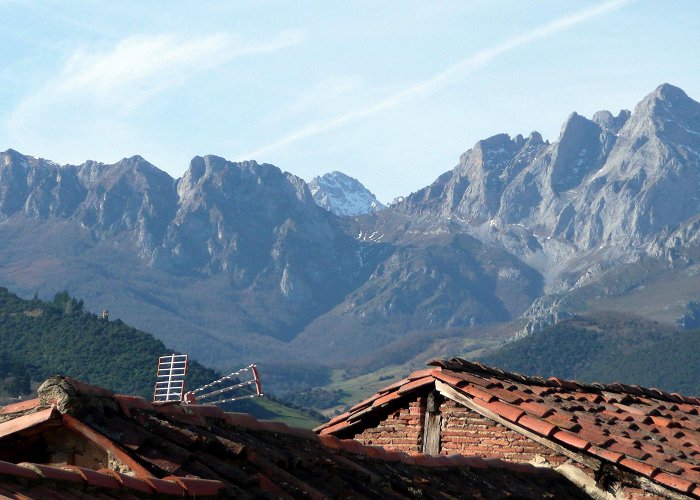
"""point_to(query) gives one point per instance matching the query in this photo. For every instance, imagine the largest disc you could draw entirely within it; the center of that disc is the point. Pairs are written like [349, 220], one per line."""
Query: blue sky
[389, 92]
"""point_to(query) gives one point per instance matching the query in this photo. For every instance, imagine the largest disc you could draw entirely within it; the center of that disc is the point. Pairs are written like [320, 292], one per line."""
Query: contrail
[456, 71]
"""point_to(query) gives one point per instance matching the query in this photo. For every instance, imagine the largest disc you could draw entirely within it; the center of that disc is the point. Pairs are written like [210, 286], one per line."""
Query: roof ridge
[475, 367]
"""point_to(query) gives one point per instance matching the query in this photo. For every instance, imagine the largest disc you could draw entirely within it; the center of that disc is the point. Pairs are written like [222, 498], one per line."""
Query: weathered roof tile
[611, 422]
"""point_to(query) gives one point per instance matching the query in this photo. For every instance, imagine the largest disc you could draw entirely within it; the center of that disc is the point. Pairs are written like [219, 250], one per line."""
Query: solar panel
[171, 378]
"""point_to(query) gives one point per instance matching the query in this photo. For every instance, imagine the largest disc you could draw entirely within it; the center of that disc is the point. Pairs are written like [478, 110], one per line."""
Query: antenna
[171, 378]
[223, 388]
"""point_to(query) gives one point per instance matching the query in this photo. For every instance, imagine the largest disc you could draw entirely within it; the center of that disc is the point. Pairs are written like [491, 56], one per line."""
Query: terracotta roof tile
[337, 427]
[129, 402]
[641, 467]
[83, 389]
[540, 427]
[165, 487]
[386, 398]
[628, 449]
[13, 470]
[504, 410]
[537, 409]
[675, 482]
[479, 393]
[375, 452]
[242, 420]
[28, 421]
[612, 422]
[195, 486]
[449, 379]
[428, 372]
[330, 441]
[566, 384]
[129, 482]
[29, 404]
[103, 441]
[609, 455]
[470, 378]
[475, 462]
[415, 384]
[352, 446]
[94, 478]
[563, 420]
[278, 427]
[511, 397]
[207, 411]
[388, 388]
[55, 473]
[571, 440]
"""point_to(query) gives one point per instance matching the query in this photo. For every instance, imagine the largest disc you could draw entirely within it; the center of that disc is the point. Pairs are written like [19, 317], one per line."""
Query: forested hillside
[39, 339]
[608, 348]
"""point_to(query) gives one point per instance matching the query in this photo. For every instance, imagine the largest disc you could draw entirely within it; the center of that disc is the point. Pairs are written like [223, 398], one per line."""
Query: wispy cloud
[323, 94]
[455, 72]
[137, 68]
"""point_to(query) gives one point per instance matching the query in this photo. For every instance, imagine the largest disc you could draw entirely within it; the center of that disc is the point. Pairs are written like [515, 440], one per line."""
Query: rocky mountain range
[343, 195]
[237, 261]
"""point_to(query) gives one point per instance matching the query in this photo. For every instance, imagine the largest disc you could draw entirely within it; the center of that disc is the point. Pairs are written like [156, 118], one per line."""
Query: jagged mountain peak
[343, 195]
[535, 139]
[599, 182]
[605, 120]
[671, 93]
[214, 178]
[135, 171]
[667, 103]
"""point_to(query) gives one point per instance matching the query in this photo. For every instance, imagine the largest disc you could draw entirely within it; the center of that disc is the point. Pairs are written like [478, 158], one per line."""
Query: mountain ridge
[239, 261]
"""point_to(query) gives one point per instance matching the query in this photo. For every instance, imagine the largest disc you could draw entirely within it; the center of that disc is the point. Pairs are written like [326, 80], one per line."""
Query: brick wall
[466, 432]
[462, 431]
[401, 430]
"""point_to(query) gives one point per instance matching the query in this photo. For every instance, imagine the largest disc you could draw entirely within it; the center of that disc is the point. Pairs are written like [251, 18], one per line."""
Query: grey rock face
[129, 195]
[343, 195]
[610, 180]
[516, 227]
[609, 190]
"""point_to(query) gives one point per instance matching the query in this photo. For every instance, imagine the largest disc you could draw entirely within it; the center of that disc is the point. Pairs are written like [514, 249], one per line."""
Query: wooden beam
[463, 399]
[431, 433]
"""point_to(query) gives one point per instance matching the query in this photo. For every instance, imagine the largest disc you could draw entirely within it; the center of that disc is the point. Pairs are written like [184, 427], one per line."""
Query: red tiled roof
[68, 481]
[199, 451]
[646, 431]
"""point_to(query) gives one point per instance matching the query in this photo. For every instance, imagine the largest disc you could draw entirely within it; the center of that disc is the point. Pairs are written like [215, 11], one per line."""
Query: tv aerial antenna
[228, 388]
[170, 384]
[170, 374]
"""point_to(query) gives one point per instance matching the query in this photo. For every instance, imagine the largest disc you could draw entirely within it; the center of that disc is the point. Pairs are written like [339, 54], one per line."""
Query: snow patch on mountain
[343, 195]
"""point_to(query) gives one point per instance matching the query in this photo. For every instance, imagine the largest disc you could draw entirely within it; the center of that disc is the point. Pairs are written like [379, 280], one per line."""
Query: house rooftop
[650, 433]
[77, 440]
